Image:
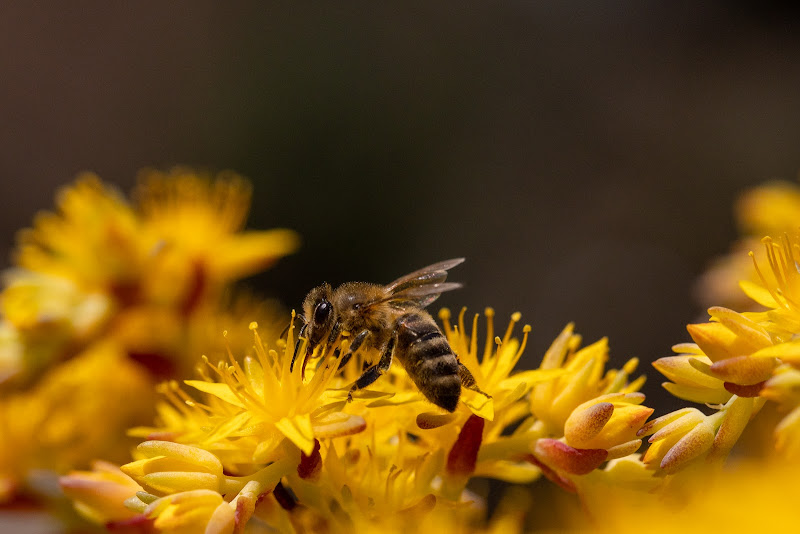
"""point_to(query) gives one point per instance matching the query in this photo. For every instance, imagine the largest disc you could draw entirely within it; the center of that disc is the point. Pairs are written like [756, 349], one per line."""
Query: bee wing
[420, 296]
[430, 275]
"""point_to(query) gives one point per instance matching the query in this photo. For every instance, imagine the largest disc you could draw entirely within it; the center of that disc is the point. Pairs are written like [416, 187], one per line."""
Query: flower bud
[172, 467]
[99, 495]
[193, 511]
[679, 438]
[744, 370]
[606, 421]
[561, 456]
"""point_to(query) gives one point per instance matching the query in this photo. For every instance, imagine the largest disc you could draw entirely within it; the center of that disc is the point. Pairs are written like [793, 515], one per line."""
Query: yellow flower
[144, 273]
[108, 296]
[367, 486]
[582, 379]
[74, 414]
[200, 219]
[187, 490]
[739, 360]
[770, 209]
[92, 240]
[253, 407]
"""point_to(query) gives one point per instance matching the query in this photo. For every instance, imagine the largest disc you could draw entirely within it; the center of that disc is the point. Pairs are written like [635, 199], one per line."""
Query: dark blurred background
[583, 158]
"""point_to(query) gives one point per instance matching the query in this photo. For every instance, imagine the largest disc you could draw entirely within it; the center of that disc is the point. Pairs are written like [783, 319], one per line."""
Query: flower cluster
[252, 442]
[108, 297]
[319, 458]
[737, 363]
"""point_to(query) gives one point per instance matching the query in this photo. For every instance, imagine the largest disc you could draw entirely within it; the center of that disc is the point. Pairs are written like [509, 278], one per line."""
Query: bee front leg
[335, 331]
[354, 346]
[374, 372]
[297, 345]
[468, 381]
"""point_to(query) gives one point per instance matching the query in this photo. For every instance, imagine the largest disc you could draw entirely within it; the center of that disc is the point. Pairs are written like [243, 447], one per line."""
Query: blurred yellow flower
[76, 412]
[108, 296]
[100, 266]
[751, 497]
[738, 362]
[770, 209]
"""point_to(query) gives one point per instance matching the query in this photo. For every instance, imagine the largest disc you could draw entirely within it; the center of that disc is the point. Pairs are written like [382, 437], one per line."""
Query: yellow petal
[693, 444]
[176, 481]
[736, 418]
[696, 394]
[758, 293]
[624, 449]
[744, 370]
[299, 430]
[219, 390]
[718, 342]
[479, 404]
[787, 352]
[679, 369]
[244, 254]
[513, 472]
[187, 453]
[744, 328]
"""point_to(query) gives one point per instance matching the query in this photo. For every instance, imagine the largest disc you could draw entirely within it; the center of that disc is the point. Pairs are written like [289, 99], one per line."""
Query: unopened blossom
[690, 373]
[100, 494]
[573, 422]
[190, 512]
[609, 422]
[687, 434]
[730, 342]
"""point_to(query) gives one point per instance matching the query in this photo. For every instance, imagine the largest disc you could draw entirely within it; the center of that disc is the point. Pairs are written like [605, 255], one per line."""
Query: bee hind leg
[354, 346]
[468, 381]
[374, 372]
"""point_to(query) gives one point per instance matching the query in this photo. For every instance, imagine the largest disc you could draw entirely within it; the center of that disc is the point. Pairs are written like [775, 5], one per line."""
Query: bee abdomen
[427, 357]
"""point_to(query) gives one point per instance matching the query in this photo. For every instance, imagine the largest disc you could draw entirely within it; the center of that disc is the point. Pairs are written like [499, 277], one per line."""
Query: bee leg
[335, 331]
[374, 372]
[354, 346]
[468, 381]
[297, 345]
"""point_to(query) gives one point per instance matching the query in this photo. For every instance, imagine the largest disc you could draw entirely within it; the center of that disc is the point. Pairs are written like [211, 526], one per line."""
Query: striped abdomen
[428, 359]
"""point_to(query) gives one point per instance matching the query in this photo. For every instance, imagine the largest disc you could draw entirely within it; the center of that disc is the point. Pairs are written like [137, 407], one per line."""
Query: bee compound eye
[322, 311]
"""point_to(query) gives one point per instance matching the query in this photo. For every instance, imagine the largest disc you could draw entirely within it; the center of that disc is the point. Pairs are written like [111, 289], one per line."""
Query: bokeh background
[584, 158]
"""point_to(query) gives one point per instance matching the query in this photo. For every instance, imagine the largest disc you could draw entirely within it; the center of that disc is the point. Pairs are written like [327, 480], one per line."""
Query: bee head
[319, 313]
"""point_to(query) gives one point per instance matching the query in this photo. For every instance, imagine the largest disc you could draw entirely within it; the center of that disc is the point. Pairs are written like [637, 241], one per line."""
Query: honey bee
[392, 320]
